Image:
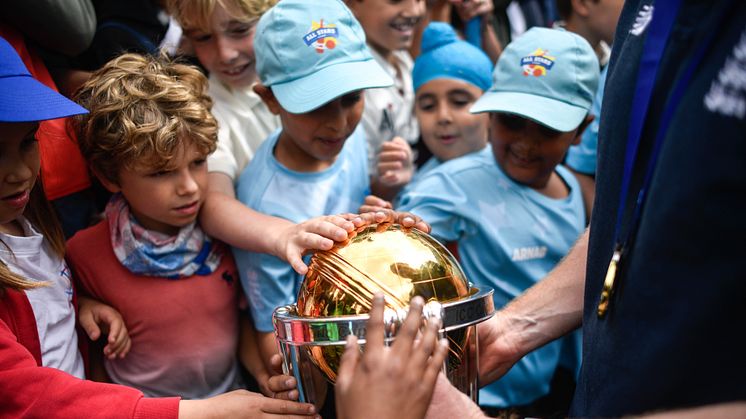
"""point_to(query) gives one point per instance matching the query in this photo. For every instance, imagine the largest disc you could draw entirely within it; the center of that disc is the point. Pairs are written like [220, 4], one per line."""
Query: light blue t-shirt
[429, 165]
[270, 188]
[509, 237]
[582, 157]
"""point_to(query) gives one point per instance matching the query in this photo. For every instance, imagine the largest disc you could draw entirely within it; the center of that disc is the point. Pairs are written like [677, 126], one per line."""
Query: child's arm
[29, 390]
[268, 348]
[469, 9]
[250, 354]
[395, 168]
[588, 188]
[97, 318]
[227, 219]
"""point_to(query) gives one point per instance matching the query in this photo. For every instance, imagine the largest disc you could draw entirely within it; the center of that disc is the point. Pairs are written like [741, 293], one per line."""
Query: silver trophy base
[299, 337]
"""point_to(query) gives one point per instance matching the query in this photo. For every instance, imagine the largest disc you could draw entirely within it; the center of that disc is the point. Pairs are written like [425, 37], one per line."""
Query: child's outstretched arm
[250, 354]
[97, 318]
[225, 218]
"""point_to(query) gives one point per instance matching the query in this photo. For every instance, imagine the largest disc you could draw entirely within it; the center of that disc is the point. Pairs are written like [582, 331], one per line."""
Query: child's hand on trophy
[396, 381]
[378, 210]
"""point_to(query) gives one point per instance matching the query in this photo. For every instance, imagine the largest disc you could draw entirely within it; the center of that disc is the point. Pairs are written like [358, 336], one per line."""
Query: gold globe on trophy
[336, 295]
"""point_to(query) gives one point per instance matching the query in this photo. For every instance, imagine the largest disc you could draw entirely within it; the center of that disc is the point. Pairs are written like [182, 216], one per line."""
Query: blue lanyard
[664, 14]
[663, 17]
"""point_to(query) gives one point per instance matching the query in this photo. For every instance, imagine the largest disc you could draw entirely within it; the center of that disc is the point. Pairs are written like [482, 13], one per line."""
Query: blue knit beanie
[444, 55]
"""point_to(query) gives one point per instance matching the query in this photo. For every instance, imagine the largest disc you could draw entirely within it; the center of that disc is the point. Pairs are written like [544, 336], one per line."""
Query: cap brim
[24, 99]
[310, 92]
[555, 114]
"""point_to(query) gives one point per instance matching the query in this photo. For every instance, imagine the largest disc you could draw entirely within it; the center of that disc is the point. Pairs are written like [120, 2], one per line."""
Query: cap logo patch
[538, 63]
[321, 36]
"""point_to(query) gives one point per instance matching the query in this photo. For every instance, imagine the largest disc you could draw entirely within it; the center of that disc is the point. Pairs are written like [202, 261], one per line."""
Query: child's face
[448, 128]
[318, 136]
[227, 50]
[166, 200]
[527, 151]
[388, 24]
[19, 168]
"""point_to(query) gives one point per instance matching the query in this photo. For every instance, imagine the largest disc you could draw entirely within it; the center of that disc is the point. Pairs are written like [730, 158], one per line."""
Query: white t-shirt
[33, 258]
[389, 111]
[243, 123]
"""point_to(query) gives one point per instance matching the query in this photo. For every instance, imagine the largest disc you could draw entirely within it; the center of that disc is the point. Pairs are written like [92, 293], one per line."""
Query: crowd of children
[218, 177]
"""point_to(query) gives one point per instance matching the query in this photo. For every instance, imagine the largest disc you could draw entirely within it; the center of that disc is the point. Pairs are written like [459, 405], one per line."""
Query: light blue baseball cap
[310, 52]
[546, 75]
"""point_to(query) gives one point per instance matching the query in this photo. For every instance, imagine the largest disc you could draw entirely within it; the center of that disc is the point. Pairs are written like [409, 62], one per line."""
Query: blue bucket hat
[312, 52]
[23, 98]
[444, 55]
[546, 75]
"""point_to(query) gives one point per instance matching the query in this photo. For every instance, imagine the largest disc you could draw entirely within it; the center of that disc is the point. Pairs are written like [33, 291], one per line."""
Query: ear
[581, 129]
[110, 186]
[580, 7]
[268, 97]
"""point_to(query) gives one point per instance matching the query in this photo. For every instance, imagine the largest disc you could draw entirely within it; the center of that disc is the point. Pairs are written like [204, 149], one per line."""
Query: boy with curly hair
[146, 138]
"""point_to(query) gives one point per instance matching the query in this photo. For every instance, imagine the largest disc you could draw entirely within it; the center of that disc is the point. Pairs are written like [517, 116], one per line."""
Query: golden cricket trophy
[336, 294]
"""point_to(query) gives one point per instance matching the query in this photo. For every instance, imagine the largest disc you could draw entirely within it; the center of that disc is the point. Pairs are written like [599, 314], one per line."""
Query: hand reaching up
[388, 382]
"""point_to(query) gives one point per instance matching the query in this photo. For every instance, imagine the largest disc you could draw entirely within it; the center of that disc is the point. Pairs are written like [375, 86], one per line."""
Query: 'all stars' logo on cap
[321, 36]
[538, 63]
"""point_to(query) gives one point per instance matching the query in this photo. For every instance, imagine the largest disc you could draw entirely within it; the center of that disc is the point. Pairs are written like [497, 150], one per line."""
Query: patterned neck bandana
[146, 252]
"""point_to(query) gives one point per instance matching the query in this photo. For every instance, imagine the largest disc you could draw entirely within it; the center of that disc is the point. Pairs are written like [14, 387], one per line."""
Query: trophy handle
[312, 386]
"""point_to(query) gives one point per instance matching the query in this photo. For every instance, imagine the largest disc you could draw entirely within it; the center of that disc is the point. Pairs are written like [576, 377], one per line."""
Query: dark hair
[564, 8]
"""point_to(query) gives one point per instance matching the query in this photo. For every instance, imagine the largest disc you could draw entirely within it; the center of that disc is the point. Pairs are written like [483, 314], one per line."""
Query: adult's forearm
[555, 304]
[545, 312]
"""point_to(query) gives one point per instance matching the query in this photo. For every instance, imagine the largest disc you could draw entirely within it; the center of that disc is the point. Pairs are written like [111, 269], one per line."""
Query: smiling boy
[514, 211]
[221, 33]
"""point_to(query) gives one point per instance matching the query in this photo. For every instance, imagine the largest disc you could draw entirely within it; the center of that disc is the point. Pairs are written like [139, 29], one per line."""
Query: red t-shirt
[184, 332]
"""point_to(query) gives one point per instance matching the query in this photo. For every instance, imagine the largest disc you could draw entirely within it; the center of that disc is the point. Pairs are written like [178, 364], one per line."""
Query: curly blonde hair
[196, 14]
[142, 109]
